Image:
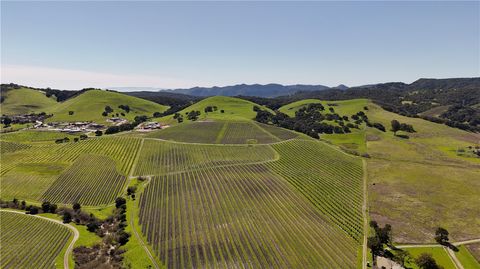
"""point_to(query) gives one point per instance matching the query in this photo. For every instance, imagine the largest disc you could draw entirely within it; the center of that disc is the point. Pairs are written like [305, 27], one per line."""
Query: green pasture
[26, 101]
[89, 106]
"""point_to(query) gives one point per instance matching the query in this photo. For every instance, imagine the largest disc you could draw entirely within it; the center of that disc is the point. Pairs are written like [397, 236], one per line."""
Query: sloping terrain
[223, 132]
[423, 182]
[25, 101]
[90, 105]
[30, 242]
[233, 109]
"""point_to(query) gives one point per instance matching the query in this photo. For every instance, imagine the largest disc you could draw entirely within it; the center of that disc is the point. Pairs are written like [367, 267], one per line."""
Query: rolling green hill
[235, 109]
[24, 101]
[90, 105]
[344, 107]
[352, 142]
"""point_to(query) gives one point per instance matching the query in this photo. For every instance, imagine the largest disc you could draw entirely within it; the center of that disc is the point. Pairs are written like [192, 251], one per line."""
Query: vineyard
[29, 180]
[35, 136]
[6, 147]
[331, 180]
[281, 133]
[196, 132]
[30, 242]
[158, 157]
[235, 217]
[22, 174]
[246, 132]
[91, 180]
[221, 132]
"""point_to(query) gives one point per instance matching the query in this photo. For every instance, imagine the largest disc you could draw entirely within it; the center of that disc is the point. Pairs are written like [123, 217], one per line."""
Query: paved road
[76, 234]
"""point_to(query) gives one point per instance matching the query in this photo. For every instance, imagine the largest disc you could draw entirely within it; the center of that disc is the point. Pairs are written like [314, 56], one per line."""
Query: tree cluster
[125, 108]
[405, 99]
[397, 126]
[62, 140]
[381, 238]
[107, 254]
[426, 261]
[210, 109]
[310, 120]
[193, 115]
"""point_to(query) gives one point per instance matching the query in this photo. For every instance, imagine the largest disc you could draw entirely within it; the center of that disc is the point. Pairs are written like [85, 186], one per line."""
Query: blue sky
[72, 45]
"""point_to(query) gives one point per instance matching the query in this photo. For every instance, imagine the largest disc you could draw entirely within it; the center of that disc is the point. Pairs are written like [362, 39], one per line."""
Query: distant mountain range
[259, 90]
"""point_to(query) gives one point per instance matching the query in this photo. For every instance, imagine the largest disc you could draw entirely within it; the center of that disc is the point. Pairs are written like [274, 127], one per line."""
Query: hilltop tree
[396, 126]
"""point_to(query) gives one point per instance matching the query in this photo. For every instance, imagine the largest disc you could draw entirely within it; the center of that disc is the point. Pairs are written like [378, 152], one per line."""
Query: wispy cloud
[68, 79]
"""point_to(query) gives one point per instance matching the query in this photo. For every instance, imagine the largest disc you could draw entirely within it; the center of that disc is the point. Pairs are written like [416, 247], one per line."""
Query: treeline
[311, 120]
[175, 101]
[461, 95]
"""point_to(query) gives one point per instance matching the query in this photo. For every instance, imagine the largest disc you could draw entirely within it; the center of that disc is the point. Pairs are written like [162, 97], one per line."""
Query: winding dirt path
[365, 216]
[139, 237]
[76, 234]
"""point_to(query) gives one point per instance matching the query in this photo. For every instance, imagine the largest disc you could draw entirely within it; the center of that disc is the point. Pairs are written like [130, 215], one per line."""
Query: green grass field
[438, 253]
[343, 108]
[466, 258]
[238, 216]
[25, 101]
[418, 185]
[89, 106]
[30, 242]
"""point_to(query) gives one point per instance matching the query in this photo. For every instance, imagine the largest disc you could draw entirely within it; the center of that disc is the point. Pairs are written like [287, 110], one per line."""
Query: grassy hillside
[234, 109]
[346, 107]
[351, 142]
[90, 105]
[416, 183]
[24, 101]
